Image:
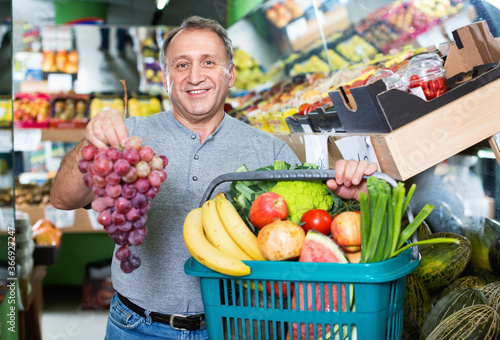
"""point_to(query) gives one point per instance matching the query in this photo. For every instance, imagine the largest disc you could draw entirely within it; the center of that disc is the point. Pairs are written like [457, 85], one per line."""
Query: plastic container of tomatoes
[426, 78]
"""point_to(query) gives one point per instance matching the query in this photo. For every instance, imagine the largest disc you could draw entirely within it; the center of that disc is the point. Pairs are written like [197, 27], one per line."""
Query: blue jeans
[124, 324]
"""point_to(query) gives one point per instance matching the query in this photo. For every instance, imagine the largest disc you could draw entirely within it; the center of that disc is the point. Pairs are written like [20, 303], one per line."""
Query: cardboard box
[373, 109]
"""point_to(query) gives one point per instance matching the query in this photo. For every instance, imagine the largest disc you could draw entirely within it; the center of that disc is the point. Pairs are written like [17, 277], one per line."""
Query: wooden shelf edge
[63, 135]
[438, 135]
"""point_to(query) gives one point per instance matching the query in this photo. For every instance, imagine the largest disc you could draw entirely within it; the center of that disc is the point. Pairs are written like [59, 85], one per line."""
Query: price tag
[93, 220]
[5, 140]
[27, 140]
[61, 218]
[316, 147]
[296, 29]
[434, 36]
[357, 148]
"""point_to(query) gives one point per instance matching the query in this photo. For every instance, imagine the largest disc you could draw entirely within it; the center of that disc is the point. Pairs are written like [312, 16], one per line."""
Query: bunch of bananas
[217, 237]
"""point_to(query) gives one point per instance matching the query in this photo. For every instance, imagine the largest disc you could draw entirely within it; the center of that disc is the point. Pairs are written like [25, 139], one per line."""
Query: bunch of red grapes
[124, 182]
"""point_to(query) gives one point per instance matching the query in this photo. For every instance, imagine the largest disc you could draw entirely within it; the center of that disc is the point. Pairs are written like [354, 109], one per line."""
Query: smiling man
[158, 300]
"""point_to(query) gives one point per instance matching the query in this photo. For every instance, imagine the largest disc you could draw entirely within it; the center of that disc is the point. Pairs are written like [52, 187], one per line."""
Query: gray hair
[196, 22]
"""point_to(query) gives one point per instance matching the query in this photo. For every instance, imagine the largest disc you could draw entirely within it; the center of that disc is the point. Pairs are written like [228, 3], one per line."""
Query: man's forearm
[68, 189]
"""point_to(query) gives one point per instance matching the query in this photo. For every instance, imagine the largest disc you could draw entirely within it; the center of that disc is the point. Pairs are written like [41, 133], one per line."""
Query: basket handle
[290, 175]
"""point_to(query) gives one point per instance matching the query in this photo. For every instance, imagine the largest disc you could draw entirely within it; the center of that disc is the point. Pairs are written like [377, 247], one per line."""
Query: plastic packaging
[426, 78]
[425, 56]
[392, 80]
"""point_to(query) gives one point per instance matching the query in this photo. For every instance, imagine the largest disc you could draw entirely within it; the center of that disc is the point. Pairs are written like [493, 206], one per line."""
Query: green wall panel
[77, 250]
[67, 11]
[237, 9]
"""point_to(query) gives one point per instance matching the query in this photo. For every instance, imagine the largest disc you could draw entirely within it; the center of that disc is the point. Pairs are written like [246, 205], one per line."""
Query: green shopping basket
[303, 300]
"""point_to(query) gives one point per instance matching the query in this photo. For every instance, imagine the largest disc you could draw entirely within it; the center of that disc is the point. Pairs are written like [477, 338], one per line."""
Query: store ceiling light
[160, 4]
[486, 154]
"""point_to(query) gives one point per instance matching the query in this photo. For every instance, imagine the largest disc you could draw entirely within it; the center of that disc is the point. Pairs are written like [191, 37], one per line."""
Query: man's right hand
[106, 129]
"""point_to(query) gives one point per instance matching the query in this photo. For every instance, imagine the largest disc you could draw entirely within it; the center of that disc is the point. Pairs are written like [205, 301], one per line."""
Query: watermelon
[494, 256]
[441, 263]
[449, 304]
[417, 305]
[478, 322]
[319, 248]
[462, 282]
[492, 293]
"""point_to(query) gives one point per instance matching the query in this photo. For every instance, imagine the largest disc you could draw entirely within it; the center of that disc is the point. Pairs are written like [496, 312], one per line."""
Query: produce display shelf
[60, 135]
[82, 222]
[428, 140]
[436, 136]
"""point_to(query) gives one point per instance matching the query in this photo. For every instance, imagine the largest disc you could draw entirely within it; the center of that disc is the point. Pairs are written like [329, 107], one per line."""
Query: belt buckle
[172, 317]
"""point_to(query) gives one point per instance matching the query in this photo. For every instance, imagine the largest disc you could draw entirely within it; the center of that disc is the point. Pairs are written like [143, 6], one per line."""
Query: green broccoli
[302, 196]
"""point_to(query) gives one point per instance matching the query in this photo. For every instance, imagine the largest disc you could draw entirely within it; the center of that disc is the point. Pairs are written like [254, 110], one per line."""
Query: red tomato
[302, 108]
[429, 94]
[432, 85]
[440, 83]
[317, 219]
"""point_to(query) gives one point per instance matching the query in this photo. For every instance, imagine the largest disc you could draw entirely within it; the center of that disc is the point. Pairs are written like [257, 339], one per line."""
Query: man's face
[197, 77]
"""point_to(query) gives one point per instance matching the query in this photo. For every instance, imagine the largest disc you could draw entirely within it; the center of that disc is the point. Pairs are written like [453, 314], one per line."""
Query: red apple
[346, 231]
[266, 208]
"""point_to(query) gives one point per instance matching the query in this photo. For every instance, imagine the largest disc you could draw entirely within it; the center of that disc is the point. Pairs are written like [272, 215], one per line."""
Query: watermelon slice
[319, 248]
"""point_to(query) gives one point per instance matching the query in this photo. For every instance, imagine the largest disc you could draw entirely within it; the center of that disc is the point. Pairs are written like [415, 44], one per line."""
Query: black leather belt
[176, 321]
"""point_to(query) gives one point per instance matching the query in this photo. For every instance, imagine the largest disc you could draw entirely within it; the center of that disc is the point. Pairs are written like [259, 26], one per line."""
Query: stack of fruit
[31, 110]
[355, 49]
[69, 110]
[281, 13]
[46, 233]
[60, 61]
[5, 111]
[102, 102]
[248, 72]
[143, 105]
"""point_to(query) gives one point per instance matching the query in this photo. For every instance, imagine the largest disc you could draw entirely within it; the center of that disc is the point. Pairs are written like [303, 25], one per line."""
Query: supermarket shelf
[59, 135]
[82, 223]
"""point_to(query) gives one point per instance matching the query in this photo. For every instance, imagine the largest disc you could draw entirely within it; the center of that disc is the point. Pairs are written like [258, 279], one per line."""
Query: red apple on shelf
[266, 208]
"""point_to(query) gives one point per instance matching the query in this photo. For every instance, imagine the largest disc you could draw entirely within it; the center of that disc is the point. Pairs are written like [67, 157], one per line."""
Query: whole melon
[441, 263]
[451, 303]
[492, 293]
[416, 306]
[485, 275]
[481, 241]
[462, 282]
[494, 256]
[471, 323]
